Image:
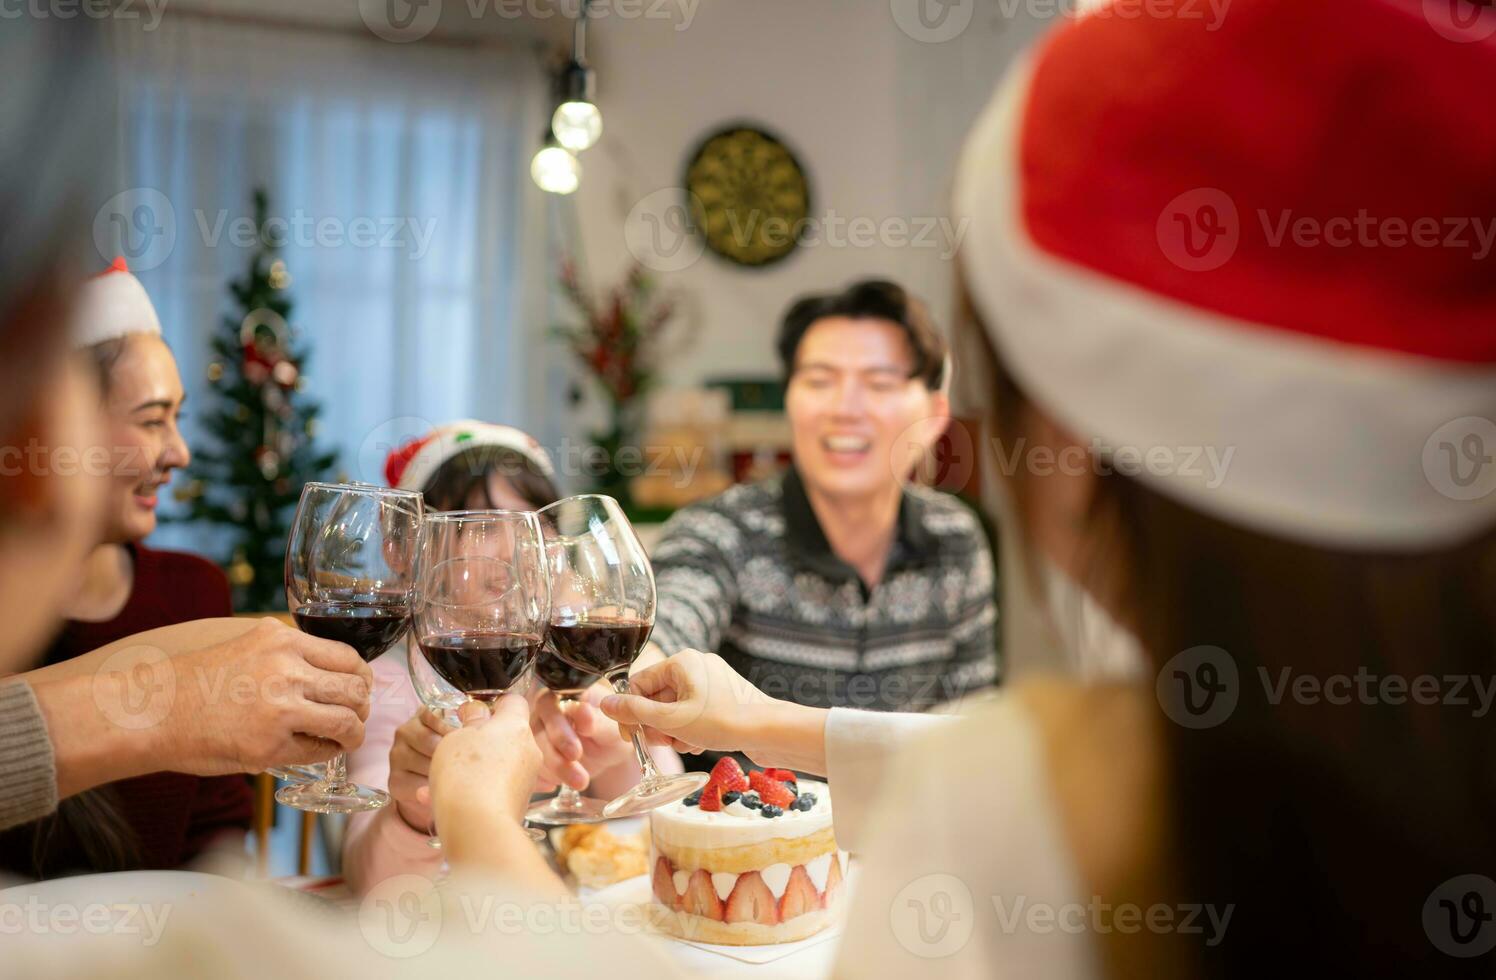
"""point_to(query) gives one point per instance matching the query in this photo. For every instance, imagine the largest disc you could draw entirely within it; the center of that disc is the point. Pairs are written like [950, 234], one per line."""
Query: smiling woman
[163, 820]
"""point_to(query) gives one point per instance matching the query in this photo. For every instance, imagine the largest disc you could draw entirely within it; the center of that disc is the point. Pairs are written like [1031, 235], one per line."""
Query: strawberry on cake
[749, 860]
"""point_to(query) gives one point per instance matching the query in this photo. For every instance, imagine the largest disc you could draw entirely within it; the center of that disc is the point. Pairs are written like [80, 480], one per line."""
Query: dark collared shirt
[749, 574]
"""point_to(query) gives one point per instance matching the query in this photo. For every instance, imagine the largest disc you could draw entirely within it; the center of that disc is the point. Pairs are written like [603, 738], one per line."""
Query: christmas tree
[262, 428]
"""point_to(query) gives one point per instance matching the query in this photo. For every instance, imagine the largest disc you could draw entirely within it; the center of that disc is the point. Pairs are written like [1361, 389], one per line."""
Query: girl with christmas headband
[467, 465]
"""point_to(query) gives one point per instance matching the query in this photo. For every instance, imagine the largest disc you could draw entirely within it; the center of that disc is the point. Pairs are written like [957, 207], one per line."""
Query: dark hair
[870, 299]
[1327, 826]
[456, 479]
[104, 356]
[55, 113]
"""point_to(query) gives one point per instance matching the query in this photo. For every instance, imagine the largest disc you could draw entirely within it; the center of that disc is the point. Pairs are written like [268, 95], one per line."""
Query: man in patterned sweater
[839, 584]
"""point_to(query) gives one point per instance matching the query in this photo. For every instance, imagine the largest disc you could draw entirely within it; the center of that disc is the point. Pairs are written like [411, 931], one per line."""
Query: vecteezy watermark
[151, 11]
[938, 21]
[135, 688]
[37, 458]
[1464, 21]
[1202, 229]
[1459, 459]
[401, 917]
[400, 21]
[1199, 687]
[1459, 917]
[1199, 230]
[933, 916]
[660, 231]
[141, 224]
[1208, 464]
[1100, 918]
[35, 917]
[1474, 691]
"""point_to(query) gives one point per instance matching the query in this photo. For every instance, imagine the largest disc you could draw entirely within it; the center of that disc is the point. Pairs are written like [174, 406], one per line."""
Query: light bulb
[555, 170]
[577, 125]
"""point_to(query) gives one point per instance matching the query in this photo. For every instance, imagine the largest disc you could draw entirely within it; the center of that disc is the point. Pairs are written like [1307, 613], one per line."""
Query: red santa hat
[1267, 238]
[416, 462]
[111, 305]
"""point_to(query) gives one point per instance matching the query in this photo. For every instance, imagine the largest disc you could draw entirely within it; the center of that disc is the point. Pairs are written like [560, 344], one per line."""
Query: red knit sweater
[173, 816]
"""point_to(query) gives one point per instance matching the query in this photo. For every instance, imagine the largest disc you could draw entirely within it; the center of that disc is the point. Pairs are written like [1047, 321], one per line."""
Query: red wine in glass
[560, 676]
[599, 646]
[370, 628]
[481, 665]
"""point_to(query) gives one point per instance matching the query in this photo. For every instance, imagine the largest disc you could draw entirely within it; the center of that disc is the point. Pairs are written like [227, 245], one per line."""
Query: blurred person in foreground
[160, 820]
[139, 705]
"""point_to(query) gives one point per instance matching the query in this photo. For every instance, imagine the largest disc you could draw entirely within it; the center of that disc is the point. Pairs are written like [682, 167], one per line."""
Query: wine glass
[481, 602]
[350, 566]
[568, 683]
[602, 611]
[435, 693]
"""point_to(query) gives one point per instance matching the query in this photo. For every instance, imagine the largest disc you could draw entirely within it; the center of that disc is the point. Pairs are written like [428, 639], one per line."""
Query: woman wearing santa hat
[467, 465]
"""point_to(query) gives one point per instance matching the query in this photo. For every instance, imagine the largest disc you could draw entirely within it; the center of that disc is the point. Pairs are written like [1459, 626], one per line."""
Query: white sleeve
[964, 869]
[859, 747]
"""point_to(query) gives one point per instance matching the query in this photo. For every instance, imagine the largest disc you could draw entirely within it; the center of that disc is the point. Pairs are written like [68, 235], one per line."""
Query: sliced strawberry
[833, 881]
[751, 901]
[701, 898]
[782, 775]
[729, 775]
[711, 797]
[664, 884]
[799, 896]
[770, 790]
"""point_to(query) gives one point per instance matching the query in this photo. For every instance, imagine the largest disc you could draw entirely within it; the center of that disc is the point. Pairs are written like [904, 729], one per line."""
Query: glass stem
[336, 773]
[646, 763]
[569, 798]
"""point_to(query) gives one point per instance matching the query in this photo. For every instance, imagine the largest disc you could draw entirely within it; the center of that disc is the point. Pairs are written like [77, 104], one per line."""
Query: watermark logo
[933, 916]
[1199, 230]
[1459, 459]
[139, 224]
[1462, 21]
[135, 688]
[1459, 917]
[659, 233]
[401, 917]
[1199, 687]
[400, 21]
[933, 21]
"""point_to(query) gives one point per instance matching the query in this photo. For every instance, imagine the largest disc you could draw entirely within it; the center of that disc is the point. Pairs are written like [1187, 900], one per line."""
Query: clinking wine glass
[602, 611]
[568, 683]
[350, 564]
[481, 602]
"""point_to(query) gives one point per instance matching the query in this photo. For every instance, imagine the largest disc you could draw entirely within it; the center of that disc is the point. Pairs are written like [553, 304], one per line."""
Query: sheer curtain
[399, 175]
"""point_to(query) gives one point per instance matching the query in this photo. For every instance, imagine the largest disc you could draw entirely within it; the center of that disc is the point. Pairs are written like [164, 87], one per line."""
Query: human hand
[576, 740]
[483, 772]
[270, 696]
[410, 766]
[695, 701]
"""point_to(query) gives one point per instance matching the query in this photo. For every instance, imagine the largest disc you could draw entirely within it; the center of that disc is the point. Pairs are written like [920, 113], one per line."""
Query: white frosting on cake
[682, 879]
[735, 825]
[777, 877]
[818, 869]
[722, 883]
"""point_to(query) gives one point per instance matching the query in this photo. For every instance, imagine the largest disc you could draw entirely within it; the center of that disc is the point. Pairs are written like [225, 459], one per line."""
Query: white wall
[876, 118]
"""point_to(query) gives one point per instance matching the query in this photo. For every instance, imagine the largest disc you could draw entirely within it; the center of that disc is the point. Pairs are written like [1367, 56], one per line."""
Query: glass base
[651, 794]
[555, 811]
[535, 834]
[326, 798]
[294, 774]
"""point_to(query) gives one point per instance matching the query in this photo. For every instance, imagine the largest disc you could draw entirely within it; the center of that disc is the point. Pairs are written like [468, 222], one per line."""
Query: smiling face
[143, 406]
[860, 421]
